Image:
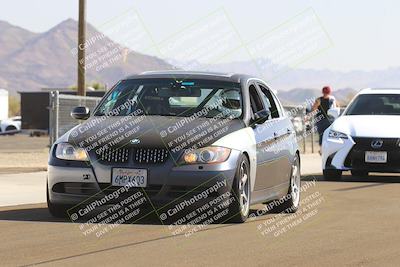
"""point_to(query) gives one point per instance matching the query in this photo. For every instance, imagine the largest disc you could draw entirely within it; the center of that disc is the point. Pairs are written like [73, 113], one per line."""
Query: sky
[363, 35]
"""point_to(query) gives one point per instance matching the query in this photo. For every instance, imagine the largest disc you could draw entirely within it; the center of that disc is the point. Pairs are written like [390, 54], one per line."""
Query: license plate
[129, 177]
[376, 156]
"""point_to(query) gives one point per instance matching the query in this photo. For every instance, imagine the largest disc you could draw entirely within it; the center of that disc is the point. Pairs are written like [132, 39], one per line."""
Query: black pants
[322, 125]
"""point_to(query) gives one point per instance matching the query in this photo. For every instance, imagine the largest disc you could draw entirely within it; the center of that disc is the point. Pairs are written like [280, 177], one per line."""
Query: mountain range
[30, 61]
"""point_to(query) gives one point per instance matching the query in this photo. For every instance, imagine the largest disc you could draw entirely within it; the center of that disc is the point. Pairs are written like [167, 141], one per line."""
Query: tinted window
[169, 97]
[269, 102]
[375, 104]
[256, 103]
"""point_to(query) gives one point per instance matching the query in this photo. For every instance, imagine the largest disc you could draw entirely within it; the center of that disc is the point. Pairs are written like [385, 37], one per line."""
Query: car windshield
[171, 97]
[375, 104]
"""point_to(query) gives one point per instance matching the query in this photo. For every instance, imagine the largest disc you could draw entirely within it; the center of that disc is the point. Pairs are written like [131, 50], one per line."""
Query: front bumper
[349, 154]
[165, 183]
[335, 151]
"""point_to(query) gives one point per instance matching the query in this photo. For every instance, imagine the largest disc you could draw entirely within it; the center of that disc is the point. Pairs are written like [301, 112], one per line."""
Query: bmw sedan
[366, 138]
[179, 136]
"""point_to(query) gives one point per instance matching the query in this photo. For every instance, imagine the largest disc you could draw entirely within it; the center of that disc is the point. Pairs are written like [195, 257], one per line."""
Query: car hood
[385, 126]
[151, 131]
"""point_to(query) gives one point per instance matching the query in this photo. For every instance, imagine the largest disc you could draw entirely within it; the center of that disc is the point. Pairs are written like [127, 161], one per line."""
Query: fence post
[54, 116]
[312, 136]
[304, 141]
[57, 112]
[304, 131]
[51, 118]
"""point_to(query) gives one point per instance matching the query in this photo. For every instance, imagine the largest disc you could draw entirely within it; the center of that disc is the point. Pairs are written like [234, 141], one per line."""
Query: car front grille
[356, 157]
[137, 155]
[364, 144]
[150, 155]
[114, 155]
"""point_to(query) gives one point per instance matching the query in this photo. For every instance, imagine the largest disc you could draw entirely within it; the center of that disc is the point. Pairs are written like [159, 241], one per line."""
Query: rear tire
[332, 175]
[240, 208]
[358, 173]
[292, 202]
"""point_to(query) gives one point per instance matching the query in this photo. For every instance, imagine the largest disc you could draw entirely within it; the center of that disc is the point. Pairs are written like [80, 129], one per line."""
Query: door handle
[275, 135]
[289, 131]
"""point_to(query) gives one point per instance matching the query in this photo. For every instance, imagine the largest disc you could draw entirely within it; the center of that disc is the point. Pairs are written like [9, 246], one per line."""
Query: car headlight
[337, 135]
[211, 154]
[69, 152]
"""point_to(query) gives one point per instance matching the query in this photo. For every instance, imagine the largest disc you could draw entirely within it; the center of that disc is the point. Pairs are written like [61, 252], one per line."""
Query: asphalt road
[354, 223]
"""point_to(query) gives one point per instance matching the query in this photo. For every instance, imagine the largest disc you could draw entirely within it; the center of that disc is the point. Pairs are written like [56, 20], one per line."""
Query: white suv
[366, 138]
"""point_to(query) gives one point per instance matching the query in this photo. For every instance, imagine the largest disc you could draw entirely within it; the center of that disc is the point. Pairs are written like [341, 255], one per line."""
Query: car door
[281, 127]
[267, 174]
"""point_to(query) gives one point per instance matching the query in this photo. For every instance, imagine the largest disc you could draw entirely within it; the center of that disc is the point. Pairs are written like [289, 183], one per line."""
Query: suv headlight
[211, 154]
[67, 151]
[337, 135]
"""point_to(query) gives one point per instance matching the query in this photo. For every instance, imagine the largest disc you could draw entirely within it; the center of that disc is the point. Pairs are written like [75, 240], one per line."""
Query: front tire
[9, 129]
[240, 208]
[332, 175]
[56, 210]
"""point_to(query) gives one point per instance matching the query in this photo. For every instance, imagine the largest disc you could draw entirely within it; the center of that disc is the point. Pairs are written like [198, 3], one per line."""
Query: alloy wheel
[244, 190]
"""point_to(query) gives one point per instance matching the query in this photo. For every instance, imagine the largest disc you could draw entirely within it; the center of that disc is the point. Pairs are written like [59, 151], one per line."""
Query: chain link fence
[60, 112]
[307, 136]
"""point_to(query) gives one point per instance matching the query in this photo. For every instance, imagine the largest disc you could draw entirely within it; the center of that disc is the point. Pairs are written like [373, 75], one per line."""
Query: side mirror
[261, 116]
[333, 113]
[80, 113]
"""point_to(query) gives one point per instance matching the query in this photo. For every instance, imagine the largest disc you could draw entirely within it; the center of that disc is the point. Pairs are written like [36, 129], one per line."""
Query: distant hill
[284, 78]
[12, 38]
[301, 95]
[33, 61]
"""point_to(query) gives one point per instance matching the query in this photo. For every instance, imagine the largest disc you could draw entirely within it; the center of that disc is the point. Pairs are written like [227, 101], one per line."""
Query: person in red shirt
[323, 104]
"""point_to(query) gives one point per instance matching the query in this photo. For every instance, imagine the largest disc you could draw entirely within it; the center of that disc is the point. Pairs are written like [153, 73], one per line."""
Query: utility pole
[81, 47]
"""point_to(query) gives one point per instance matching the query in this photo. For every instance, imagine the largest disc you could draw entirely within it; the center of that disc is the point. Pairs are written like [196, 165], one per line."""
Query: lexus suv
[182, 140]
[366, 138]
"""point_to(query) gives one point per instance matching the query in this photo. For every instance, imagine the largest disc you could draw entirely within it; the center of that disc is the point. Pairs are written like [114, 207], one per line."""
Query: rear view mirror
[80, 113]
[179, 91]
[261, 116]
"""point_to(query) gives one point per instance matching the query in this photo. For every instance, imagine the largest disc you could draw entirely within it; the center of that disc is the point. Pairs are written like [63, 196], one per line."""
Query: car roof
[371, 91]
[179, 74]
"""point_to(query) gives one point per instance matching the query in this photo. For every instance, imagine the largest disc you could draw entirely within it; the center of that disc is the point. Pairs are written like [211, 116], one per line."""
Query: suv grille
[364, 144]
[150, 155]
[356, 157]
[114, 155]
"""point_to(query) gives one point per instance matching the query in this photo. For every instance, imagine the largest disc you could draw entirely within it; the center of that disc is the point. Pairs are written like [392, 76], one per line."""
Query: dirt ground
[22, 153]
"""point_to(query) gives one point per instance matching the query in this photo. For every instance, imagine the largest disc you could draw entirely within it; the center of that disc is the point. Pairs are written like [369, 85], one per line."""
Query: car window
[255, 100]
[170, 97]
[270, 102]
[375, 104]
